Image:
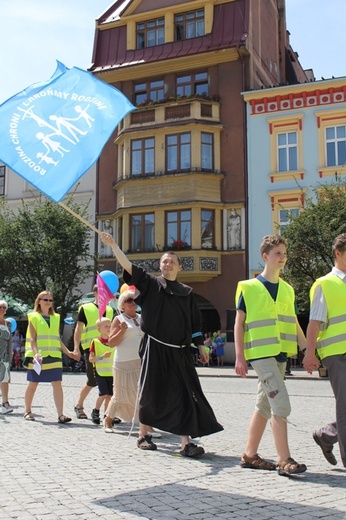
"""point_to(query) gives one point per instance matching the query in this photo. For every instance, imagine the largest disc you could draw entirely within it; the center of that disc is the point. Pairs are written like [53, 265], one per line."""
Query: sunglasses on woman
[129, 300]
[46, 300]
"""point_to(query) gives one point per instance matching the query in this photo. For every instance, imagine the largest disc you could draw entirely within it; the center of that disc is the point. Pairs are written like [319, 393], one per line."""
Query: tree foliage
[310, 237]
[43, 247]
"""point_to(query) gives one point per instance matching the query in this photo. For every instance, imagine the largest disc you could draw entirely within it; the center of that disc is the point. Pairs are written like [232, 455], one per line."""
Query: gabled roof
[230, 29]
[114, 12]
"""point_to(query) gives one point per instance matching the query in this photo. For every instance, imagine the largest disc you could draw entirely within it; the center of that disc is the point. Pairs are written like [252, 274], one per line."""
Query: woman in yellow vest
[43, 352]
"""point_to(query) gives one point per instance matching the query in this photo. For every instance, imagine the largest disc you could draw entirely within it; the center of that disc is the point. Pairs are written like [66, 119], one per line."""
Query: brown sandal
[290, 467]
[256, 462]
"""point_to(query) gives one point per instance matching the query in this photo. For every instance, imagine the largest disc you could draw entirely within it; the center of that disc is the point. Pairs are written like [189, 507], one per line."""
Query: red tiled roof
[230, 29]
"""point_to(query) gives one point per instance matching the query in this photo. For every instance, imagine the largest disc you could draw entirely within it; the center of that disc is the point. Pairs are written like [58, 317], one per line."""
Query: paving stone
[78, 472]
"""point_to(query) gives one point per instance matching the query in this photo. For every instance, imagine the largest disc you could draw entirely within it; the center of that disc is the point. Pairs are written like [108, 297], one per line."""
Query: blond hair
[124, 296]
[37, 305]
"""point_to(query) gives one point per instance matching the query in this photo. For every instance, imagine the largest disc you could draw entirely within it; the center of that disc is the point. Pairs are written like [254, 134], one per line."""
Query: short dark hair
[339, 243]
[270, 241]
[172, 253]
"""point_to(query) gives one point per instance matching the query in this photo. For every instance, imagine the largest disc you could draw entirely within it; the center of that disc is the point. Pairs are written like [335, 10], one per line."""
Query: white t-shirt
[127, 350]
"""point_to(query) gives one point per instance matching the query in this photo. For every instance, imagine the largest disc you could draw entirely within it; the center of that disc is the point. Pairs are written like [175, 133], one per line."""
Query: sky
[36, 33]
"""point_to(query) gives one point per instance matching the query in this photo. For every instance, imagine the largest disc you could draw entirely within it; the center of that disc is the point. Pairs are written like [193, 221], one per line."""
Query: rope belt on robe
[139, 385]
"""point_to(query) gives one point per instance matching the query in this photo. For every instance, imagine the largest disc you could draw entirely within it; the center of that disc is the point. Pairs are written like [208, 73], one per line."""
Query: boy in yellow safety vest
[266, 332]
[101, 355]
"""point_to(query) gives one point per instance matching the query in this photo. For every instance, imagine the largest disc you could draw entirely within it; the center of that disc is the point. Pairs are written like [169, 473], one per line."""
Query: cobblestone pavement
[76, 471]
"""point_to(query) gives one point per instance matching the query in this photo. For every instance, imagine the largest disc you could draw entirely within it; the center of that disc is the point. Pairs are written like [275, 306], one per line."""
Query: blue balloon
[111, 280]
[69, 320]
[13, 323]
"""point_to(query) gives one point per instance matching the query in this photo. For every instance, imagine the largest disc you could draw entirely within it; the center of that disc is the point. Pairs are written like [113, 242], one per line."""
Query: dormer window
[150, 33]
[189, 25]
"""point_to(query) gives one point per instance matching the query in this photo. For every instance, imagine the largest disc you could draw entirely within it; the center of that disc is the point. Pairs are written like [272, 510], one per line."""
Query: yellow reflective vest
[104, 367]
[90, 331]
[331, 340]
[270, 326]
[47, 337]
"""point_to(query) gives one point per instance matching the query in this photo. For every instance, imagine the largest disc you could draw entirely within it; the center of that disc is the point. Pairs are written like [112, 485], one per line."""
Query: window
[285, 205]
[286, 148]
[150, 33]
[178, 150]
[189, 25]
[207, 228]
[142, 232]
[285, 216]
[2, 179]
[152, 90]
[143, 156]
[331, 131]
[287, 152]
[336, 145]
[192, 84]
[178, 227]
[207, 151]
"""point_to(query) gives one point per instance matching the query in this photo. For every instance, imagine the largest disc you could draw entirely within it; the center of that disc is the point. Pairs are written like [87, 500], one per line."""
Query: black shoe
[95, 416]
[326, 450]
[192, 450]
[145, 443]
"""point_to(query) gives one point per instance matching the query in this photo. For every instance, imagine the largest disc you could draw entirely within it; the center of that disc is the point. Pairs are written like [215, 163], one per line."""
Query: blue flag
[52, 132]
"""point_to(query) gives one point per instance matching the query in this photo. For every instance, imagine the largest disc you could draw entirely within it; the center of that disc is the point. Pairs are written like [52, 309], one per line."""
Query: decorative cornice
[298, 100]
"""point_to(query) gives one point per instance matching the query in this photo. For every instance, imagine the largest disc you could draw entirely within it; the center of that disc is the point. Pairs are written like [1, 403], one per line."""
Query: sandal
[192, 450]
[290, 467]
[29, 416]
[80, 412]
[64, 419]
[145, 443]
[256, 462]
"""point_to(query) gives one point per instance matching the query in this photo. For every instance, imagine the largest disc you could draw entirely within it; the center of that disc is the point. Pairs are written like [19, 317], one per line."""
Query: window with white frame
[150, 33]
[285, 217]
[142, 156]
[142, 228]
[336, 145]
[287, 149]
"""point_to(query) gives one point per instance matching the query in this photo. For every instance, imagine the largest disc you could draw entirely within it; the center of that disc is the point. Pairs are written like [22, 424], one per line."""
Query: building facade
[296, 141]
[14, 189]
[173, 175]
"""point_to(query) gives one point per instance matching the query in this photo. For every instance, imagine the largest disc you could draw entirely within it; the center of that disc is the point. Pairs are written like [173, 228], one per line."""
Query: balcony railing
[172, 109]
[156, 174]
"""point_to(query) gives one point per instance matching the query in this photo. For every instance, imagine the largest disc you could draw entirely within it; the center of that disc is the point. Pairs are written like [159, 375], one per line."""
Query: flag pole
[79, 218]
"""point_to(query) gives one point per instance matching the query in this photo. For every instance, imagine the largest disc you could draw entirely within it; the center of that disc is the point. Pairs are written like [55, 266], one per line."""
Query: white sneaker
[6, 409]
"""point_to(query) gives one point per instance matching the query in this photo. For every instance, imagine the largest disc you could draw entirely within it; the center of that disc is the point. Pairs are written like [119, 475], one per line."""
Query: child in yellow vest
[101, 355]
[266, 332]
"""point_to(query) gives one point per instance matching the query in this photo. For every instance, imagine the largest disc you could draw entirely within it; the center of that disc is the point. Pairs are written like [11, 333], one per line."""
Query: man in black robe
[171, 397]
